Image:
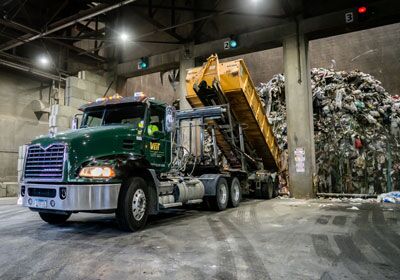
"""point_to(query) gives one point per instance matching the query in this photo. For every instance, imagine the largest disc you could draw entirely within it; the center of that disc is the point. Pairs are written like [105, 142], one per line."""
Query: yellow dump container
[238, 89]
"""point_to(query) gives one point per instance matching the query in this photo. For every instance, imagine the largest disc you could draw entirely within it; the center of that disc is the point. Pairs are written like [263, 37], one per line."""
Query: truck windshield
[127, 114]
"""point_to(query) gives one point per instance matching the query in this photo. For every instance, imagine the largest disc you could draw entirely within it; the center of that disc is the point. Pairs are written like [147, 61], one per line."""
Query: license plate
[40, 203]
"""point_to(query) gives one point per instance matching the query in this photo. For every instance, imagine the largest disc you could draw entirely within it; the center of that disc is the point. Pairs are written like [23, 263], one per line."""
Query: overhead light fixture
[44, 61]
[124, 37]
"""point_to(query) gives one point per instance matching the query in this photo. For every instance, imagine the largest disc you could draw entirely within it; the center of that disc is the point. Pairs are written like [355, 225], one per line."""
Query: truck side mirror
[75, 122]
[170, 113]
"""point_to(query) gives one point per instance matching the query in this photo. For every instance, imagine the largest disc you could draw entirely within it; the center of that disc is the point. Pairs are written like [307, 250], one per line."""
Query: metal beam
[159, 25]
[316, 27]
[208, 11]
[64, 23]
[31, 31]
[31, 70]
[27, 62]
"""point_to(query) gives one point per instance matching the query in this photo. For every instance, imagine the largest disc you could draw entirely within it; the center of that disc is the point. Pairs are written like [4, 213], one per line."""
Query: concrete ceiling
[83, 34]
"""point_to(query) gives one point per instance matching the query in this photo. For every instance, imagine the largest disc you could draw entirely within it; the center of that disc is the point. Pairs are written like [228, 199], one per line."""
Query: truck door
[157, 141]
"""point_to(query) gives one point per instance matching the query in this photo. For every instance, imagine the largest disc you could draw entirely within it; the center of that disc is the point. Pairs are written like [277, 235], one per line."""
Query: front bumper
[71, 197]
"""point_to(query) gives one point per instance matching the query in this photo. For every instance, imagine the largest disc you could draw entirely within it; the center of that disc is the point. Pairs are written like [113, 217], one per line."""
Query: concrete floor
[277, 239]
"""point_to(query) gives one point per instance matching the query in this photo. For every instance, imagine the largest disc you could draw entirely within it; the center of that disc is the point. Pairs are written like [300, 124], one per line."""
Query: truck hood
[95, 142]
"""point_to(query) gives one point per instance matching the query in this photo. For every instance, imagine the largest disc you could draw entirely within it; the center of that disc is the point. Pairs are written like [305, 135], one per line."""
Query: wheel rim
[235, 192]
[223, 194]
[138, 204]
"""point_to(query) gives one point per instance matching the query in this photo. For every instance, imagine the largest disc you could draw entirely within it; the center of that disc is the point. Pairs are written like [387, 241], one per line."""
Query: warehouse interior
[326, 75]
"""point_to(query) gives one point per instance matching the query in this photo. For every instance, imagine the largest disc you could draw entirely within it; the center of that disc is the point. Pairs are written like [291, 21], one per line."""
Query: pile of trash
[356, 126]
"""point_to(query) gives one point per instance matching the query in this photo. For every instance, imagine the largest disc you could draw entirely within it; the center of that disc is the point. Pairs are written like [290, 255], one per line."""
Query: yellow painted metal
[245, 104]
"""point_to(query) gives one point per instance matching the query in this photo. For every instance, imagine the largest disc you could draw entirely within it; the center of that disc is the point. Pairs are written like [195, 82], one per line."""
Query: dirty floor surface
[276, 239]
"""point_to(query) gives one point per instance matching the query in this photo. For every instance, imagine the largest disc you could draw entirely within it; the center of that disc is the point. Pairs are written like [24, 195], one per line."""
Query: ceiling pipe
[31, 70]
[64, 23]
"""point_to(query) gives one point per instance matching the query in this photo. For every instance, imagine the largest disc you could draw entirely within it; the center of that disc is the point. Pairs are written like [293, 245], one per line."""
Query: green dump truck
[135, 156]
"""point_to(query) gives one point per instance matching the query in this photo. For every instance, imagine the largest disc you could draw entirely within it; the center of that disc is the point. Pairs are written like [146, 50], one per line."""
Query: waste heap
[356, 126]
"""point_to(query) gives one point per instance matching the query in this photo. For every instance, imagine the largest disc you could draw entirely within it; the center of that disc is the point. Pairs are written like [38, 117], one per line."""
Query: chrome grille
[44, 164]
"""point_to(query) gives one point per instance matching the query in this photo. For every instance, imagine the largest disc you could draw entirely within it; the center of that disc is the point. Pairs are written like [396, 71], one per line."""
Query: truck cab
[83, 169]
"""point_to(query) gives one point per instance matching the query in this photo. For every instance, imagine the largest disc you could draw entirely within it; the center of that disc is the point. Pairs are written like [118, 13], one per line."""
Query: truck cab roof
[117, 100]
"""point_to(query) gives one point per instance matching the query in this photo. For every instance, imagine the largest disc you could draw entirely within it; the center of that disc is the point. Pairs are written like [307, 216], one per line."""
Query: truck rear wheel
[235, 193]
[133, 204]
[220, 200]
[266, 191]
[54, 219]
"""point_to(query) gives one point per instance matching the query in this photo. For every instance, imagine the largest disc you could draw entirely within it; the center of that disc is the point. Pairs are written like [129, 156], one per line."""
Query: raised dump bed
[230, 83]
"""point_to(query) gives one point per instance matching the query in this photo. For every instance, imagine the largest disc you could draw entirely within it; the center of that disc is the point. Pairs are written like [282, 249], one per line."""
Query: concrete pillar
[299, 116]
[186, 62]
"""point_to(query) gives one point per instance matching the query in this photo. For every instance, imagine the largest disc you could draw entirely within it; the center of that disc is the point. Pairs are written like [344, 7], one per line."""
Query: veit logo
[155, 146]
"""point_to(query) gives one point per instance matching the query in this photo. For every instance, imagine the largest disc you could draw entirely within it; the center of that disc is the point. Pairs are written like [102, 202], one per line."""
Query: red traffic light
[362, 10]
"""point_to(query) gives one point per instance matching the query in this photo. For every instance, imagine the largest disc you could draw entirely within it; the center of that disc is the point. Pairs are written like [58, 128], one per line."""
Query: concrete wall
[375, 51]
[18, 123]
[151, 86]
[80, 90]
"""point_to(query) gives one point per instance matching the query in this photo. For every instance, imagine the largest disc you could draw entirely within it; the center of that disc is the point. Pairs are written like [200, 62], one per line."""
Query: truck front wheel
[54, 219]
[133, 204]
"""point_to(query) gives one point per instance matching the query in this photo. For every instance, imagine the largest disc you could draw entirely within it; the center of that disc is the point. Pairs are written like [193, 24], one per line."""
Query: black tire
[54, 219]
[270, 189]
[262, 192]
[133, 192]
[276, 188]
[235, 193]
[219, 202]
[266, 191]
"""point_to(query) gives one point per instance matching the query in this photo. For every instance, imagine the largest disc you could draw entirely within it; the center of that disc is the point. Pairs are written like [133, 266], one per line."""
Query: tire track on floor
[381, 225]
[339, 220]
[227, 267]
[350, 255]
[253, 261]
[240, 215]
[326, 276]
[323, 219]
[377, 241]
[380, 248]
[253, 216]
[323, 248]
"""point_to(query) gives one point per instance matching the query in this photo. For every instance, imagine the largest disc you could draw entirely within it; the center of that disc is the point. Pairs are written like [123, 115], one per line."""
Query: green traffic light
[143, 65]
[233, 44]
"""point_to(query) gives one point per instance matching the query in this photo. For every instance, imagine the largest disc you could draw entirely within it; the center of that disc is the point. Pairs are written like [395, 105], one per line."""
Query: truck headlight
[97, 172]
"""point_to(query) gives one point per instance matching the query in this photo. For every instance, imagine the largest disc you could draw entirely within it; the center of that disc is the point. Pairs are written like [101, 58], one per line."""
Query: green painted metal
[87, 144]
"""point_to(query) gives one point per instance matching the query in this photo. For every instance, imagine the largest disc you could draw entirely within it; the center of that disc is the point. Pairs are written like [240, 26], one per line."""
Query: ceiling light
[124, 37]
[44, 61]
